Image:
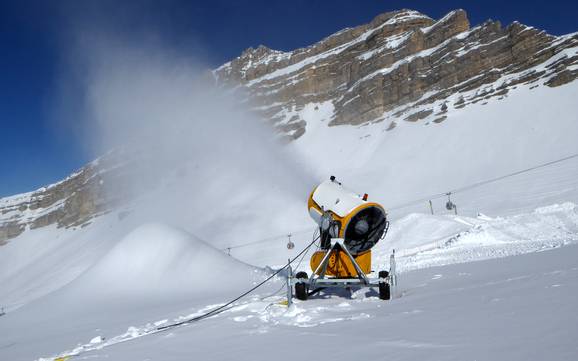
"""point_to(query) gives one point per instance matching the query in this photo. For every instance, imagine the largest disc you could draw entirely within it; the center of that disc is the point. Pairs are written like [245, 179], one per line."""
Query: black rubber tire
[384, 289]
[301, 289]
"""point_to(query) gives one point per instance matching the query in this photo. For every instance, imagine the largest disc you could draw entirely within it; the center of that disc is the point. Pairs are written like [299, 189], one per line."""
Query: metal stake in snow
[289, 289]
[392, 273]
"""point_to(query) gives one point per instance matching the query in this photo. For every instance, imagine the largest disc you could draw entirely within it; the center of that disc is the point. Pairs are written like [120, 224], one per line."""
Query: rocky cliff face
[400, 62]
[72, 202]
[402, 66]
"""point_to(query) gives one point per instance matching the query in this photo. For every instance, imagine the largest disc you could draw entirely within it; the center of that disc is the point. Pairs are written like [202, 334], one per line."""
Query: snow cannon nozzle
[333, 179]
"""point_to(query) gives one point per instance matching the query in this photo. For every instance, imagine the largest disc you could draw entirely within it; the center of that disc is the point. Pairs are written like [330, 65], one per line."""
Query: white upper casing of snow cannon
[347, 215]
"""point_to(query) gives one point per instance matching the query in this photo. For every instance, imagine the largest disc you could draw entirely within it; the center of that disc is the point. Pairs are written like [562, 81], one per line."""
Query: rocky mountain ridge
[402, 66]
[70, 203]
[399, 61]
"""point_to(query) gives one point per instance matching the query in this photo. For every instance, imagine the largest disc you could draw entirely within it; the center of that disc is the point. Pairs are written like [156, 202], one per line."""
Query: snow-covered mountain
[401, 68]
[405, 108]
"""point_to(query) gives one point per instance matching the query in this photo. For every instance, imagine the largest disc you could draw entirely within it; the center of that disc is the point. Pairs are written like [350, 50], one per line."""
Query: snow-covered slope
[444, 313]
[502, 309]
[156, 261]
[531, 126]
[424, 241]
[150, 271]
[106, 264]
[507, 309]
[157, 274]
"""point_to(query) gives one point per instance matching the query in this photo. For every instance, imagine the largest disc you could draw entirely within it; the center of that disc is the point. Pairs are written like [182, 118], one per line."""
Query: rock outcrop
[69, 203]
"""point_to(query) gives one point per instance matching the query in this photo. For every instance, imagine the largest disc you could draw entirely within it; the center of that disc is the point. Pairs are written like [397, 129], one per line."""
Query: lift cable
[513, 174]
[481, 183]
[264, 240]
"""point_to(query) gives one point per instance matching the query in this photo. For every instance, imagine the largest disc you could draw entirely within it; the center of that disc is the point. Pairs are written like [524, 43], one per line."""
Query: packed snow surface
[517, 308]
[157, 275]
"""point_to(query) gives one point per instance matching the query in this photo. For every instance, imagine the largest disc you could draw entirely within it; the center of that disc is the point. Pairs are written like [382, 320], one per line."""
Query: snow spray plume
[197, 159]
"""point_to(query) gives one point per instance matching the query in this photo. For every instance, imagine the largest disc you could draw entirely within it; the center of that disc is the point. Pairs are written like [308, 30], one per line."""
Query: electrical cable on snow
[225, 306]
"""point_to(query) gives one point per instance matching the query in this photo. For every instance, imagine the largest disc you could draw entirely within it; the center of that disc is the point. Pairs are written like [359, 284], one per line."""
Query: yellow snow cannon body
[346, 216]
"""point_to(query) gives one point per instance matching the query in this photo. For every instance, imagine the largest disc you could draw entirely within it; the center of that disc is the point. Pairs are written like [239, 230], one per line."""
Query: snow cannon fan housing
[341, 213]
[345, 214]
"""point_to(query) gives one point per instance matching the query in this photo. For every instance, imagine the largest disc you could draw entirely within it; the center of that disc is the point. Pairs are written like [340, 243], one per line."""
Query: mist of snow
[197, 158]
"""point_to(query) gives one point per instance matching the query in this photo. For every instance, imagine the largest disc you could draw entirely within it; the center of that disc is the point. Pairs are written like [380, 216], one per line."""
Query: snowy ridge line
[478, 184]
[312, 59]
[161, 327]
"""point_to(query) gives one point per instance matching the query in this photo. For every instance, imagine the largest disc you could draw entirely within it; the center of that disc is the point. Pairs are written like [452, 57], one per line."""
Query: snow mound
[157, 258]
[423, 241]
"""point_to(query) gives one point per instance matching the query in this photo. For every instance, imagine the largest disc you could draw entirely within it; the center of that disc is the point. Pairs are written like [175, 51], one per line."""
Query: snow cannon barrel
[341, 213]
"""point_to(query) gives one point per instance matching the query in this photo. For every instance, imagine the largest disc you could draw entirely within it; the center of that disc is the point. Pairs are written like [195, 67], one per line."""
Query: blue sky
[37, 150]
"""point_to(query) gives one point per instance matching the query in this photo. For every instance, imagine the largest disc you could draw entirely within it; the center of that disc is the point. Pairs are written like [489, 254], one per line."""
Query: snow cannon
[349, 227]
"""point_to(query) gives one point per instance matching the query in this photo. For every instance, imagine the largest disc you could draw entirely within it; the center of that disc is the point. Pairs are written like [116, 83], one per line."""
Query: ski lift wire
[264, 240]
[481, 183]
